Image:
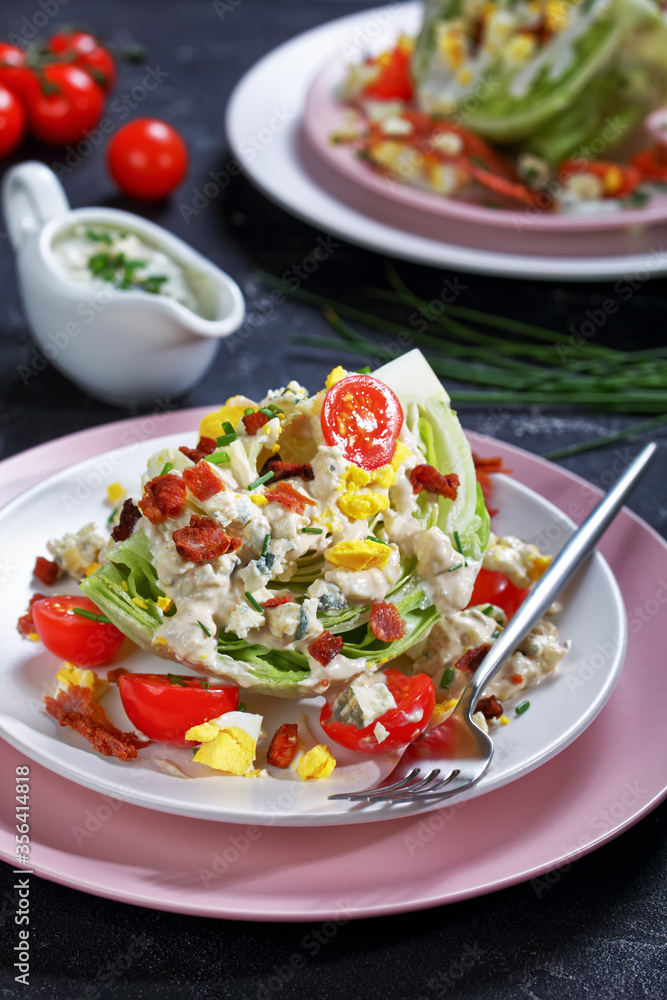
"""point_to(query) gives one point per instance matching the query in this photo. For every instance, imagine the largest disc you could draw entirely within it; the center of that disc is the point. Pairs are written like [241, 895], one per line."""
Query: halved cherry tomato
[618, 181]
[74, 638]
[394, 80]
[492, 587]
[67, 103]
[414, 697]
[147, 159]
[12, 122]
[364, 418]
[82, 48]
[164, 707]
[652, 163]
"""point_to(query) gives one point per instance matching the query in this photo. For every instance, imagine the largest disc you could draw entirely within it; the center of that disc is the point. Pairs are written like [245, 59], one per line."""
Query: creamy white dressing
[75, 252]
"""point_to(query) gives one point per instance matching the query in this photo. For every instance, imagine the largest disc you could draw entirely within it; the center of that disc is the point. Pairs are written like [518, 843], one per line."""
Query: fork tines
[408, 789]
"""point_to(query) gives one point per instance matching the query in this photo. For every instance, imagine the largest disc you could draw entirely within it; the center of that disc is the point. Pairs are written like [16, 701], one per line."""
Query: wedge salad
[517, 101]
[337, 544]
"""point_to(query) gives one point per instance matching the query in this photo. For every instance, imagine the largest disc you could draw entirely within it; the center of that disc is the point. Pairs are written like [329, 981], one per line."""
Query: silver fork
[452, 756]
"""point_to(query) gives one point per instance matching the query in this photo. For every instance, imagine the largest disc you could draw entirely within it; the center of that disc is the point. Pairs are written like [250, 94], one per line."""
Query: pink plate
[605, 781]
[523, 229]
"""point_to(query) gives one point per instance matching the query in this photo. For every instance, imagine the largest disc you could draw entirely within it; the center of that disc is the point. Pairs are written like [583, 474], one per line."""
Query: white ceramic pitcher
[124, 347]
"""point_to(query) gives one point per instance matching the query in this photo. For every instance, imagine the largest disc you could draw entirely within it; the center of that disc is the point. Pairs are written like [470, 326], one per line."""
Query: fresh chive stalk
[260, 481]
[253, 603]
[83, 613]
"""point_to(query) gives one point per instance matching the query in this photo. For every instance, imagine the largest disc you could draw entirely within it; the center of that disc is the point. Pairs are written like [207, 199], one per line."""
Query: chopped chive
[112, 515]
[452, 568]
[311, 531]
[366, 370]
[167, 468]
[170, 612]
[496, 633]
[195, 750]
[248, 410]
[457, 540]
[225, 439]
[447, 677]
[242, 707]
[205, 685]
[523, 707]
[253, 603]
[91, 614]
[99, 237]
[204, 629]
[276, 409]
[218, 457]
[372, 538]
[267, 412]
[228, 427]
[260, 481]
[266, 542]
[176, 679]
[488, 610]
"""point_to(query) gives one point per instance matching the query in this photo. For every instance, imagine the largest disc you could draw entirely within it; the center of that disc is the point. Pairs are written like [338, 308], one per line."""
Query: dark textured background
[599, 931]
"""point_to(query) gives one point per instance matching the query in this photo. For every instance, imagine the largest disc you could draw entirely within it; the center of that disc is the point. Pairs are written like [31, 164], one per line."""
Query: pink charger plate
[522, 229]
[603, 783]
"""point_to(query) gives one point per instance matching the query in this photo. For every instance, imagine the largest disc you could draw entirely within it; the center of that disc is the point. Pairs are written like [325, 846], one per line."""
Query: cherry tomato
[618, 181]
[12, 122]
[164, 707]
[14, 74]
[82, 48]
[67, 103]
[73, 638]
[492, 587]
[147, 159]
[652, 163]
[394, 81]
[364, 418]
[414, 697]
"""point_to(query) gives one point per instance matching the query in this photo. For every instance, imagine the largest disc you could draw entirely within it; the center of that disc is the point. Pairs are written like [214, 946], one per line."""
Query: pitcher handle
[32, 195]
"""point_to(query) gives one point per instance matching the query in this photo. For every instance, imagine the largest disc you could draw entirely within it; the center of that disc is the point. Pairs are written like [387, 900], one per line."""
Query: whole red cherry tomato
[84, 50]
[67, 103]
[364, 417]
[147, 158]
[12, 122]
[79, 640]
[492, 587]
[414, 697]
[163, 707]
[14, 74]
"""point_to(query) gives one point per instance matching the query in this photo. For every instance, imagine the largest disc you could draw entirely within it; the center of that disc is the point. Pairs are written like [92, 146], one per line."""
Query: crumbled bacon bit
[75, 707]
[203, 481]
[472, 658]
[25, 624]
[46, 571]
[283, 745]
[489, 707]
[205, 446]
[275, 602]
[253, 421]
[386, 622]
[286, 470]
[285, 494]
[129, 516]
[113, 675]
[325, 647]
[164, 497]
[425, 477]
[203, 540]
[516, 678]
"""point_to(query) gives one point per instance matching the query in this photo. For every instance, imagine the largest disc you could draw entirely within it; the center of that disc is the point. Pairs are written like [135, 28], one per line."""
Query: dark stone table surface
[600, 931]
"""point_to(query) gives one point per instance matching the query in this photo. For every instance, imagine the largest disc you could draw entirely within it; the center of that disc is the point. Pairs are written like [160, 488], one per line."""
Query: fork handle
[559, 573]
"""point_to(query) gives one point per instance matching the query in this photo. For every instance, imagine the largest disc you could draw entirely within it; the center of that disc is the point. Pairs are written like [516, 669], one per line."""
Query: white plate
[594, 619]
[263, 126]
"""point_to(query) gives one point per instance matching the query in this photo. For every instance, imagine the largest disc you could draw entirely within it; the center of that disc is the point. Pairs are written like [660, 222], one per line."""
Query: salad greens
[127, 589]
[601, 69]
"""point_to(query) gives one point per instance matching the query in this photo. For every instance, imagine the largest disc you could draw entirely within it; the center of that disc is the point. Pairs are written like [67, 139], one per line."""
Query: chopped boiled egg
[229, 743]
[211, 425]
[360, 506]
[358, 554]
[317, 763]
[71, 676]
[115, 492]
